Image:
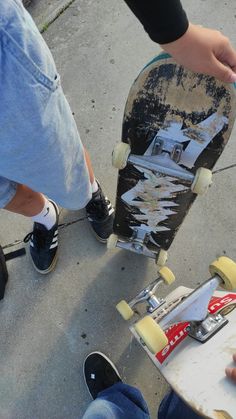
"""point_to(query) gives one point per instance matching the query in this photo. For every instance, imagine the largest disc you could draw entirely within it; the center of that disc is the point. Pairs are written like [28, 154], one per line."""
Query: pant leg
[120, 401]
[40, 146]
[172, 407]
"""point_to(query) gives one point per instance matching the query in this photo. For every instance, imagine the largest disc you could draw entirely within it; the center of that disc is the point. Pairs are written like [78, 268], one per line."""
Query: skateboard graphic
[175, 127]
[191, 336]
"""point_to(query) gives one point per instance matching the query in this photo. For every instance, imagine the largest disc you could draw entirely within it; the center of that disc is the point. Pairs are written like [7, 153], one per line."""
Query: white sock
[47, 216]
[94, 186]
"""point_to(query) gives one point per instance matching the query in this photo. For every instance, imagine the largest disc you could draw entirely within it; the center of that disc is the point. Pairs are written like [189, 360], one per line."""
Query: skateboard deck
[175, 122]
[195, 371]
[194, 357]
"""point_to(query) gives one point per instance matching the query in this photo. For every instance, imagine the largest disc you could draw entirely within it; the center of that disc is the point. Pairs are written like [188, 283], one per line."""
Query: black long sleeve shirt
[164, 20]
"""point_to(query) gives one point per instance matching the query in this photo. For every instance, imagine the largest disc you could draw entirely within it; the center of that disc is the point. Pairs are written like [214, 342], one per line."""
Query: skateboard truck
[137, 243]
[165, 145]
[163, 156]
[147, 295]
[192, 308]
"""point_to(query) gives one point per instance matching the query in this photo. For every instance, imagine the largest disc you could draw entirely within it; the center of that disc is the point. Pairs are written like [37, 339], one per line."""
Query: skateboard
[190, 337]
[176, 125]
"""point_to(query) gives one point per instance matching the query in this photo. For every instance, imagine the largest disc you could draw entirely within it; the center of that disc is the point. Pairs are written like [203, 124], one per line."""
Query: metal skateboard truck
[191, 308]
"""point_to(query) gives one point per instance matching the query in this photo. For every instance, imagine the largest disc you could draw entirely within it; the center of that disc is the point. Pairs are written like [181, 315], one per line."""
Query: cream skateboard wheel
[202, 181]
[225, 268]
[167, 275]
[120, 155]
[112, 241]
[161, 258]
[151, 334]
[125, 310]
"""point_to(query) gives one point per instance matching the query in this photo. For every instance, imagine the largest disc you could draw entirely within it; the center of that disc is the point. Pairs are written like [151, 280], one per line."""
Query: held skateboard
[176, 125]
[191, 336]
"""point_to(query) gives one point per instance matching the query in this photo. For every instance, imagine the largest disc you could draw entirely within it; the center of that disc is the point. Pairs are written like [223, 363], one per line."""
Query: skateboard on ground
[176, 125]
[191, 336]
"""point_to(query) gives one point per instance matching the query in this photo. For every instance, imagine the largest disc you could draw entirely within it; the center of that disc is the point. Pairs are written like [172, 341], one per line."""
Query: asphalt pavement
[50, 323]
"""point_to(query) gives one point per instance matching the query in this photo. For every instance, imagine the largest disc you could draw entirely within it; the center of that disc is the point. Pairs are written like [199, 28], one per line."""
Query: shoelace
[39, 237]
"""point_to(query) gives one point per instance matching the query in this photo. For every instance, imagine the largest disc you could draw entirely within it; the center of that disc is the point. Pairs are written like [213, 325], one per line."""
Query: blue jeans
[39, 142]
[122, 401]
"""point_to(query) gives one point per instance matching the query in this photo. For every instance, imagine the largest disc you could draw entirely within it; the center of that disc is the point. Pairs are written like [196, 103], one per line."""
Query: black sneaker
[44, 245]
[100, 215]
[99, 373]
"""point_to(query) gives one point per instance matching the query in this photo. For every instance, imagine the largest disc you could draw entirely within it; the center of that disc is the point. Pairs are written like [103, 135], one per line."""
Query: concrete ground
[49, 324]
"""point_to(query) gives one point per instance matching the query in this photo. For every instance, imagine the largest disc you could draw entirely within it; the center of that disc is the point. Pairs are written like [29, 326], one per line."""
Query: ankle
[94, 186]
[47, 216]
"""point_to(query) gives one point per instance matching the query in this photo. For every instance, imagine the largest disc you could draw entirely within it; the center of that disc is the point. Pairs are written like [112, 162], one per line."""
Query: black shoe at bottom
[99, 373]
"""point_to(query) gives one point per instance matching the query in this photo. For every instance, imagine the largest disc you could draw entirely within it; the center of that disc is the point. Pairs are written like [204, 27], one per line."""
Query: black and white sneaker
[100, 215]
[99, 373]
[44, 245]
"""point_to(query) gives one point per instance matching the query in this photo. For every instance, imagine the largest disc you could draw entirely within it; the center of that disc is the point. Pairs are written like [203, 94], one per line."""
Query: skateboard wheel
[120, 155]
[202, 181]
[124, 309]
[225, 268]
[162, 257]
[167, 275]
[151, 334]
[112, 241]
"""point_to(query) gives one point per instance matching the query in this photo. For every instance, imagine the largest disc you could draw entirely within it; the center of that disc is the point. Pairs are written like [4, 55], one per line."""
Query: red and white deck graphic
[178, 332]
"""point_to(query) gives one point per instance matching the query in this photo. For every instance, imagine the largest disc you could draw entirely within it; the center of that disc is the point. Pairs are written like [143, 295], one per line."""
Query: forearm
[164, 20]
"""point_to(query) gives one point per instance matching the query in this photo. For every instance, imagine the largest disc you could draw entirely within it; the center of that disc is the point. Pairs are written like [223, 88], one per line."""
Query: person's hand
[231, 372]
[205, 51]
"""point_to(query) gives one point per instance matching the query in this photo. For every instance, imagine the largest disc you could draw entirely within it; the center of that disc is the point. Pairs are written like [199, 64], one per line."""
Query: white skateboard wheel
[125, 310]
[167, 275]
[202, 181]
[225, 268]
[112, 241]
[120, 155]
[151, 334]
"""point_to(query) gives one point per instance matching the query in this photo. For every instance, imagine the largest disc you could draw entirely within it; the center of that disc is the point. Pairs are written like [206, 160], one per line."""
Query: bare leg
[29, 203]
[26, 202]
[89, 166]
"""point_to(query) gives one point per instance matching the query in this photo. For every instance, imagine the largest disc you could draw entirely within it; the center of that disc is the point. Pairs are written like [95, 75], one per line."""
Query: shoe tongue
[40, 227]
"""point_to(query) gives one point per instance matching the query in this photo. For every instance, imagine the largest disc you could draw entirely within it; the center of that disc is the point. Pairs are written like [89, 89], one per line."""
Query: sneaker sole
[100, 239]
[108, 360]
